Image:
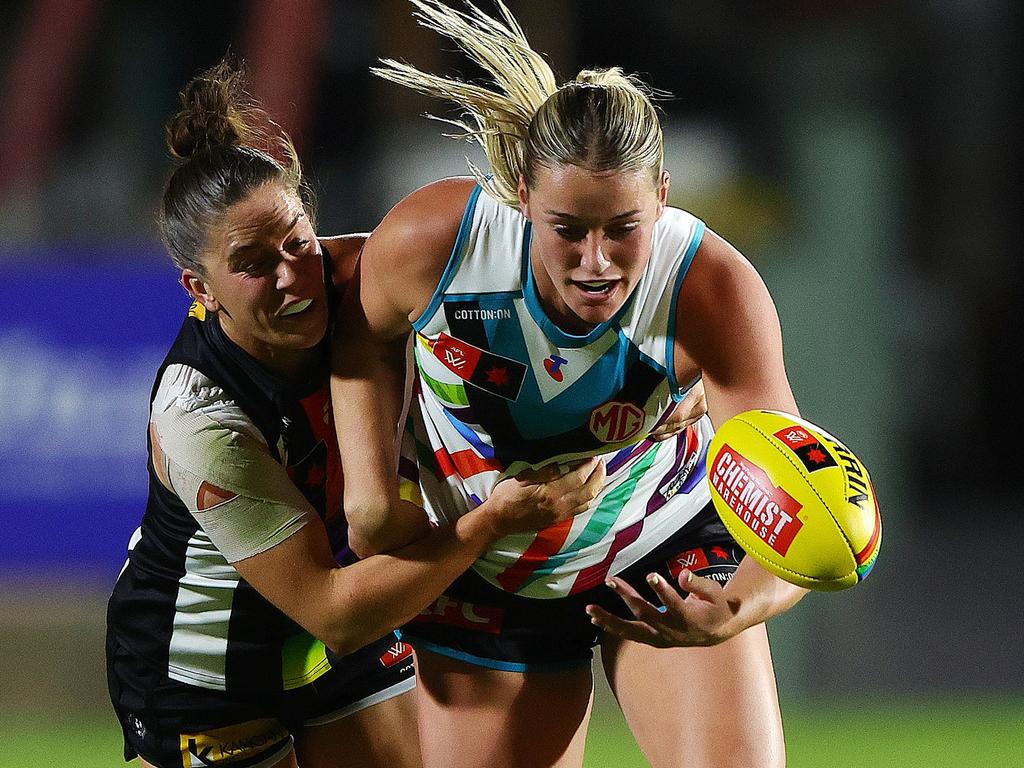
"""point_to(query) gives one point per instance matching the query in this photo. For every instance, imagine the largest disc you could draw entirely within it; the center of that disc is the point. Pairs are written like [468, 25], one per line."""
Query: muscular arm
[209, 454]
[351, 606]
[728, 331]
[261, 523]
[398, 270]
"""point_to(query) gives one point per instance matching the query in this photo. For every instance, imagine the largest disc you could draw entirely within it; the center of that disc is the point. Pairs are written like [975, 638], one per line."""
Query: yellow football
[796, 499]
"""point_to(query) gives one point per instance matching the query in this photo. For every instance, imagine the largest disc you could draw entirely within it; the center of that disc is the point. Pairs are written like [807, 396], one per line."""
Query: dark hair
[225, 146]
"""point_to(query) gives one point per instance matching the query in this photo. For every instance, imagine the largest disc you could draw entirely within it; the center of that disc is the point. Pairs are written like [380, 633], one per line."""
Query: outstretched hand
[704, 617]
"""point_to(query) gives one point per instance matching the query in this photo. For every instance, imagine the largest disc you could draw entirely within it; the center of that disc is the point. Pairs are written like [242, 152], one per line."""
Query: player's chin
[301, 331]
[597, 308]
[304, 338]
[593, 316]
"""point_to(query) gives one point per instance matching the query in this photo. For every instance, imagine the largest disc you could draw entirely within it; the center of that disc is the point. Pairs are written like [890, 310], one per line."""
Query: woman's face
[591, 239]
[264, 276]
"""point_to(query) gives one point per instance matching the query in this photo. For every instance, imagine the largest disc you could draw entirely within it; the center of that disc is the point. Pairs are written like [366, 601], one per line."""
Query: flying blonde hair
[603, 120]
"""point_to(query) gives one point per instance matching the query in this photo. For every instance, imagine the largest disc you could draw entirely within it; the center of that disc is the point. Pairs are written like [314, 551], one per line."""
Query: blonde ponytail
[498, 120]
[603, 120]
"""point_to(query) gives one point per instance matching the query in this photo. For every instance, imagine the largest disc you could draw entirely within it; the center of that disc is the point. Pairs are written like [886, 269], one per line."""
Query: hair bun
[211, 114]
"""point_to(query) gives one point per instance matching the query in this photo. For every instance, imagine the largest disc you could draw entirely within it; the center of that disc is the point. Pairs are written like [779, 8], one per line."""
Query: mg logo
[614, 422]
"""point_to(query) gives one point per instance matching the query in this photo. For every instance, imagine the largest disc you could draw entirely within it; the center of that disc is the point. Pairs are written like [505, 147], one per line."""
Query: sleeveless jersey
[501, 388]
[179, 603]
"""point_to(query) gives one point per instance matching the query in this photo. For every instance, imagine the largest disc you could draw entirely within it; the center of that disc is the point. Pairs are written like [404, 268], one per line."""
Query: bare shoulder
[728, 331]
[343, 251]
[723, 304]
[719, 277]
[411, 246]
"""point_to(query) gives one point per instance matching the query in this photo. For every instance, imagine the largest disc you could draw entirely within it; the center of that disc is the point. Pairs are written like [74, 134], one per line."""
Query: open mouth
[596, 287]
[294, 309]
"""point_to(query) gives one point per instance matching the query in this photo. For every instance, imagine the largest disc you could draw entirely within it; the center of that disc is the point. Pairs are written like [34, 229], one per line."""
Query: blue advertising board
[81, 335]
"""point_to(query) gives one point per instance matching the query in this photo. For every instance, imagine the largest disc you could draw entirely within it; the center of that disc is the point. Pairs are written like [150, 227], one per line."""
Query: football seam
[831, 514]
[773, 564]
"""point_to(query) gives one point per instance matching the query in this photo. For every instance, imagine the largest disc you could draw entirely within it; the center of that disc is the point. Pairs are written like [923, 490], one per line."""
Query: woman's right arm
[398, 271]
[208, 454]
[348, 607]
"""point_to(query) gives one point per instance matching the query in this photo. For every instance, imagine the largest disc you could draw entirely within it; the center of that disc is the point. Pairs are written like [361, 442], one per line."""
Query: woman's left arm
[727, 332]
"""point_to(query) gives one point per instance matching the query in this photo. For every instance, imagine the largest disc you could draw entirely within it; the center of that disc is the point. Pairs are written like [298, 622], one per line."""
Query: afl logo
[614, 422]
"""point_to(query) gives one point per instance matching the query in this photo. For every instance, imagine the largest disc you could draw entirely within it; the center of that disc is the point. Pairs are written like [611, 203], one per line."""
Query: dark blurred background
[864, 155]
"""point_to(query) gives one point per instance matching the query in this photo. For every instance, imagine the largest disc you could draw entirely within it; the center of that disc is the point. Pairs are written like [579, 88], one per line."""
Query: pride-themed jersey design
[501, 388]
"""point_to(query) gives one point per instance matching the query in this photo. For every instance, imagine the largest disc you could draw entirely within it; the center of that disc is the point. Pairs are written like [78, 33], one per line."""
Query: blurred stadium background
[861, 153]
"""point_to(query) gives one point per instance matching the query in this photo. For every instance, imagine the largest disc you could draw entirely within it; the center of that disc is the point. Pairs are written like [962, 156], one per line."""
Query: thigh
[714, 707]
[380, 736]
[474, 717]
[361, 712]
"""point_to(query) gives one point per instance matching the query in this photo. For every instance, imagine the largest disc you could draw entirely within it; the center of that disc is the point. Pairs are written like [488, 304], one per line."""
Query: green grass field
[950, 733]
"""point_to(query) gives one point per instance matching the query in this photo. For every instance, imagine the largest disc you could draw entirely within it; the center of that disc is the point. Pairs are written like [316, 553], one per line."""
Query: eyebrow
[569, 216]
[250, 245]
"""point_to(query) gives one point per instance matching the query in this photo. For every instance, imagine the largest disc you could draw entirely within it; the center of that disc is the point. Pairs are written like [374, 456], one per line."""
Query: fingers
[639, 607]
[664, 432]
[668, 595]
[579, 487]
[543, 475]
[688, 411]
[698, 586]
[691, 407]
[636, 631]
[550, 472]
[596, 478]
[575, 477]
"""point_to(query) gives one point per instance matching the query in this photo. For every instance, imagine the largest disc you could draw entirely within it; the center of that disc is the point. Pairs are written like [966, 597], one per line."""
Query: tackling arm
[398, 271]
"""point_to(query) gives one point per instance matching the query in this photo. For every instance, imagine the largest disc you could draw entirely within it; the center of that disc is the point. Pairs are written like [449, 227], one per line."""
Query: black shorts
[476, 622]
[176, 725]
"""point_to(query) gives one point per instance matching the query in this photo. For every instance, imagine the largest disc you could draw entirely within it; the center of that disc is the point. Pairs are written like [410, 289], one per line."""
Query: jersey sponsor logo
[543, 354]
[722, 576]
[614, 422]
[209, 496]
[135, 725]
[485, 370]
[671, 488]
[769, 511]
[459, 613]
[711, 563]
[812, 454]
[483, 314]
[553, 365]
[396, 654]
[232, 744]
[720, 553]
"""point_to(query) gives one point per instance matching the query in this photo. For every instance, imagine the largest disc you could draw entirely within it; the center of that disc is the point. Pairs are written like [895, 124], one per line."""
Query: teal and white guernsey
[501, 388]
